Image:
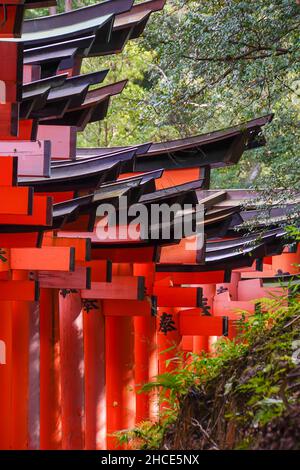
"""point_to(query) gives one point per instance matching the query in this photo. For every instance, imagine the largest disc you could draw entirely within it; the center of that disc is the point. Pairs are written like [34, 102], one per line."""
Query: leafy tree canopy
[207, 64]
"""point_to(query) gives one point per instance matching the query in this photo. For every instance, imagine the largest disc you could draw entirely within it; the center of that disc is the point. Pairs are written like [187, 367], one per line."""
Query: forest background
[204, 65]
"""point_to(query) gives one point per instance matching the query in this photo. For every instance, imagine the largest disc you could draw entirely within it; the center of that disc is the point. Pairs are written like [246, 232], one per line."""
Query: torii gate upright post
[120, 382]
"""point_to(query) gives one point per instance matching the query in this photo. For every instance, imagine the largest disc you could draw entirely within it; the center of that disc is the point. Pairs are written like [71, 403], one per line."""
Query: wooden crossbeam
[121, 287]
[33, 157]
[8, 171]
[41, 214]
[27, 240]
[232, 309]
[19, 290]
[82, 246]
[253, 289]
[46, 258]
[63, 141]
[79, 279]
[210, 277]
[191, 322]
[16, 201]
[101, 270]
[129, 307]
[126, 255]
[178, 296]
[26, 129]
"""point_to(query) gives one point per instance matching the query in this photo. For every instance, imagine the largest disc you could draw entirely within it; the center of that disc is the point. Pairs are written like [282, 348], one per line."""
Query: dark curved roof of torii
[95, 20]
[214, 149]
[77, 16]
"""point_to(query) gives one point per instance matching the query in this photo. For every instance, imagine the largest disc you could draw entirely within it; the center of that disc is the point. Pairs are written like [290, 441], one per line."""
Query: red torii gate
[83, 322]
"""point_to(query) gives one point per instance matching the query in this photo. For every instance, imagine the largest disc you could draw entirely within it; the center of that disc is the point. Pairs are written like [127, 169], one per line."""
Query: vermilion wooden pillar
[120, 387]
[72, 370]
[34, 377]
[94, 366]
[201, 343]
[20, 372]
[50, 389]
[6, 375]
[167, 343]
[145, 364]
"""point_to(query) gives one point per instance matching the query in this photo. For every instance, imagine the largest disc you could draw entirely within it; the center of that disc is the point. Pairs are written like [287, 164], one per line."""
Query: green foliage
[257, 386]
[125, 122]
[224, 61]
[146, 436]
[60, 8]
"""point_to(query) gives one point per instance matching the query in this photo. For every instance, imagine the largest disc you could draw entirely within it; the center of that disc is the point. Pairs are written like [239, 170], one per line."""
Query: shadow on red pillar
[6, 374]
[72, 370]
[94, 366]
[50, 389]
[120, 386]
[145, 364]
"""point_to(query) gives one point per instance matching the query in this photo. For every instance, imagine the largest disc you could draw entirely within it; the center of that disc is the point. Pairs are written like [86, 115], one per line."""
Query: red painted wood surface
[20, 354]
[6, 371]
[192, 277]
[16, 201]
[72, 371]
[49, 258]
[100, 270]
[9, 21]
[41, 214]
[11, 74]
[121, 287]
[20, 290]
[94, 379]
[120, 384]
[200, 344]
[63, 141]
[82, 246]
[177, 296]
[127, 308]
[287, 262]
[8, 171]
[33, 157]
[13, 240]
[50, 372]
[78, 279]
[196, 324]
[9, 121]
[145, 350]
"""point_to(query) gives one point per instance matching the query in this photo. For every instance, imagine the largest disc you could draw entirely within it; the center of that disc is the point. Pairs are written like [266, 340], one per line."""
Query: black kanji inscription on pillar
[221, 290]
[205, 307]
[89, 304]
[167, 323]
[65, 292]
